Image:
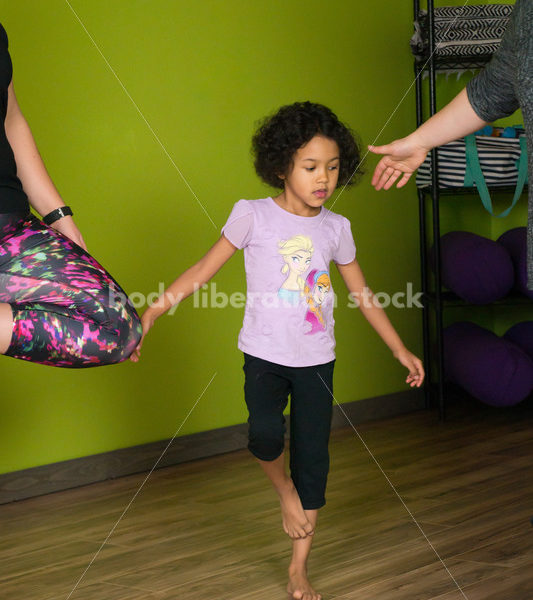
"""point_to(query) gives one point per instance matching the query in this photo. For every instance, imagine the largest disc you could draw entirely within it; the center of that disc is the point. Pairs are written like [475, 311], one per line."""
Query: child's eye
[309, 168]
[333, 168]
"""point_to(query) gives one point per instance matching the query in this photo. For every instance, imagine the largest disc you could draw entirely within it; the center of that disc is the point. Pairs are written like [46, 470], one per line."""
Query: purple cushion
[521, 334]
[490, 368]
[515, 242]
[475, 268]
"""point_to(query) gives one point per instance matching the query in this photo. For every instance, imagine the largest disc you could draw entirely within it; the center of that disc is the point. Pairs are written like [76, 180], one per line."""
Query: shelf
[450, 299]
[435, 387]
[448, 191]
[456, 62]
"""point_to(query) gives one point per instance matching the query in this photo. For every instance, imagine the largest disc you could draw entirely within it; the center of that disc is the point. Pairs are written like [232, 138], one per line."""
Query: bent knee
[264, 443]
[128, 329]
[131, 339]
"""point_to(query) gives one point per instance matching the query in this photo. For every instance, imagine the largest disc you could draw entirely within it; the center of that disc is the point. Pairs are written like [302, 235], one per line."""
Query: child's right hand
[147, 321]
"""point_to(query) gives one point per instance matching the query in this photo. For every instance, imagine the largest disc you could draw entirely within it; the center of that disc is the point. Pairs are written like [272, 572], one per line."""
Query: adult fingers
[386, 149]
[388, 177]
[382, 173]
[394, 174]
[404, 180]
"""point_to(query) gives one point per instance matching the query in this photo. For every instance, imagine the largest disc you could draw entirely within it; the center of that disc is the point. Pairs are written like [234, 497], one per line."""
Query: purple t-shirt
[288, 317]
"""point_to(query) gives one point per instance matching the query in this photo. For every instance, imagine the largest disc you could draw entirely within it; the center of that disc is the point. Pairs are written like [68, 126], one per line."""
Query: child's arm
[186, 284]
[375, 315]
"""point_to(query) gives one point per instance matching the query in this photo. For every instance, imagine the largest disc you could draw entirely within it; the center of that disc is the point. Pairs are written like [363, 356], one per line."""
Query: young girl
[304, 150]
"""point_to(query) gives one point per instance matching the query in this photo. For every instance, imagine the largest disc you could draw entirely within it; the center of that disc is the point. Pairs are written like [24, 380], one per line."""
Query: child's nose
[323, 175]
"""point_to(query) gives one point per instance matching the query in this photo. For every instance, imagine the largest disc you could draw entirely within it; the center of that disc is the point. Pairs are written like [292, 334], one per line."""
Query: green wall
[202, 74]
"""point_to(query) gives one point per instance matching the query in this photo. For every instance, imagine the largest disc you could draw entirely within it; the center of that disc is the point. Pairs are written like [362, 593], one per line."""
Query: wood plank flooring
[210, 529]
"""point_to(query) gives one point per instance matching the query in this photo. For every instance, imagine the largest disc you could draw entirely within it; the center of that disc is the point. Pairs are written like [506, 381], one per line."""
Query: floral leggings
[67, 310]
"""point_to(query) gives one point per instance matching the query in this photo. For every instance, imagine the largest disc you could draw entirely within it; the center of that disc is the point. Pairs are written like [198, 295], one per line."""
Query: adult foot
[299, 587]
[295, 522]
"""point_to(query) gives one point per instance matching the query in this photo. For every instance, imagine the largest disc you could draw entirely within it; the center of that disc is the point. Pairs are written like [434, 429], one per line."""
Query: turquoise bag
[474, 173]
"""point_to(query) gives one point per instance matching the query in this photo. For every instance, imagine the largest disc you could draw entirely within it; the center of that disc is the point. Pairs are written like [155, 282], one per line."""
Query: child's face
[314, 175]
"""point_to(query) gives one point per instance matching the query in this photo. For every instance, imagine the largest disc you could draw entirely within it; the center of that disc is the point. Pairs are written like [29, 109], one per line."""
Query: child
[287, 334]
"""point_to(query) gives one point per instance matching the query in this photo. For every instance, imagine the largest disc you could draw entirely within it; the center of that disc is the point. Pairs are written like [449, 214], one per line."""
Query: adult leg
[9, 224]
[67, 310]
[6, 326]
[266, 393]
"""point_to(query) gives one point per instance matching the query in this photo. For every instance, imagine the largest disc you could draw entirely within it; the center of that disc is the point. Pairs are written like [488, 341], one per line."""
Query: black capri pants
[266, 390]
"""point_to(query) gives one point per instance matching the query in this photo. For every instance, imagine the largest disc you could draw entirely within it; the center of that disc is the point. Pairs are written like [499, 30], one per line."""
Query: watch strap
[57, 214]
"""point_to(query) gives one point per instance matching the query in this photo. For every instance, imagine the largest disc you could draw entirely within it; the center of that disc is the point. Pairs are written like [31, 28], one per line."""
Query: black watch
[57, 214]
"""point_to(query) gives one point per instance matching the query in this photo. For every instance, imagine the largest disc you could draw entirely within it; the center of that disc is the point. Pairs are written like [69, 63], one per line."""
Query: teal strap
[471, 158]
[474, 174]
[521, 164]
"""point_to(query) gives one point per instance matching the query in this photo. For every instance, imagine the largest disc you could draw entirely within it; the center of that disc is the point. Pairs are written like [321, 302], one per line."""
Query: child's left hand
[147, 322]
[415, 366]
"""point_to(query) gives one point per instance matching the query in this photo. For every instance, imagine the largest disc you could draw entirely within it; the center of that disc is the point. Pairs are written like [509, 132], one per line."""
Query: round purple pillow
[475, 268]
[515, 242]
[521, 334]
[492, 369]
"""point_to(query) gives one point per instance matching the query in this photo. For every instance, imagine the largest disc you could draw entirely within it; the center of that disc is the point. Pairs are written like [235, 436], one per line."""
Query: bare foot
[299, 587]
[295, 523]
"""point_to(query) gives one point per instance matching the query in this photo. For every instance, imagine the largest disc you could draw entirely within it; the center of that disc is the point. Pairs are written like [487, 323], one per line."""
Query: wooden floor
[211, 529]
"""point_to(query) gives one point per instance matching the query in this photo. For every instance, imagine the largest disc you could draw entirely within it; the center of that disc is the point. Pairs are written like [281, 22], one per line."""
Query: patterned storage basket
[461, 31]
[482, 162]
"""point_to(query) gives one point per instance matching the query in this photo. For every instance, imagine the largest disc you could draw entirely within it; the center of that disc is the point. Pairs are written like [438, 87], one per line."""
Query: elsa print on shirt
[297, 253]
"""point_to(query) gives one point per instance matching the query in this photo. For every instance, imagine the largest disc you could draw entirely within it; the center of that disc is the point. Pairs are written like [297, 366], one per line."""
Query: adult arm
[489, 96]
[186, 284]
[492, 93]
[405, 155]
[355, 282]
[41, 192]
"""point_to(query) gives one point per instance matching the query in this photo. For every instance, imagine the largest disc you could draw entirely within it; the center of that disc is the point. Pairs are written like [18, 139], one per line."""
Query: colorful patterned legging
[67, 310]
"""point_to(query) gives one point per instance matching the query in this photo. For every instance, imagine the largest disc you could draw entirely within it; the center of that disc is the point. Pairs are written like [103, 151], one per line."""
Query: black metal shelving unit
[435, 300]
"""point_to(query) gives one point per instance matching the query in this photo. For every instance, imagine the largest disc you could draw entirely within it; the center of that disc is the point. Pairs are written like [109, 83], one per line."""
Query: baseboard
[67, 474]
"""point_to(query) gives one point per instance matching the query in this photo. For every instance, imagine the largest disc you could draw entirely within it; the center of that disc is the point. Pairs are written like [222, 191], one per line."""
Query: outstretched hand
[401, 156]
[415, 366]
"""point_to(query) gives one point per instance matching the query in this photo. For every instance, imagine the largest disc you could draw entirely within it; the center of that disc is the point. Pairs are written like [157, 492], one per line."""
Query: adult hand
[401, 156]
[68, 228]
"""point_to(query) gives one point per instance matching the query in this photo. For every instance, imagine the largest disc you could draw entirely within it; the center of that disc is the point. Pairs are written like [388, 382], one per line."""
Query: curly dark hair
[279, 136]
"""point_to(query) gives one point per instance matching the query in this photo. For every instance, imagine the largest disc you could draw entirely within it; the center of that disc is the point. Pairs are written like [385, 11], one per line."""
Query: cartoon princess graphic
[317, 285]
[297, 253]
